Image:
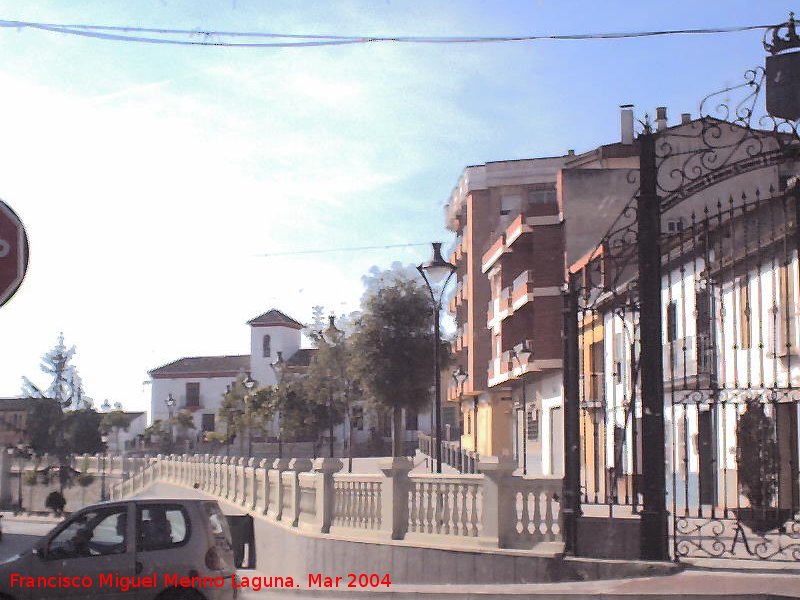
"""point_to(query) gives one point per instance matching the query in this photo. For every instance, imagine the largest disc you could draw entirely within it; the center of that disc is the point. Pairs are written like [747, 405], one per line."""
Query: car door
[164, 545]
[88, 555]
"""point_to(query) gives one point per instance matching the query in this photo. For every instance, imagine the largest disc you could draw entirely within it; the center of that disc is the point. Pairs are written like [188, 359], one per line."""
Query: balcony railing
[521, 287]
[499, 307]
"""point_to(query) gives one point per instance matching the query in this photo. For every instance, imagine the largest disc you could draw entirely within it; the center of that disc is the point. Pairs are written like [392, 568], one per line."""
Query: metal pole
[330, 422]
[572, 440]
[653, 532]
[437, 388]
[524, 447]
[280, 436]
[249, 429]
[103, 478]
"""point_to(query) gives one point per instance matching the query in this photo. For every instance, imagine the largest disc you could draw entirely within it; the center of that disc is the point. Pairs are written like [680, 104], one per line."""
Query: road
[19, 535]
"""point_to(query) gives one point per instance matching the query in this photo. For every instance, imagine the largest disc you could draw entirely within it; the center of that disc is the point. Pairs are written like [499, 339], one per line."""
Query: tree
[392, 347]
[66, 386]
[50, 425]
[82, 431]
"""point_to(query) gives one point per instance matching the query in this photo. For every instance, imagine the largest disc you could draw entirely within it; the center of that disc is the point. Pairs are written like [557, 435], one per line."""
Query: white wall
[211, 392]
[283, 339]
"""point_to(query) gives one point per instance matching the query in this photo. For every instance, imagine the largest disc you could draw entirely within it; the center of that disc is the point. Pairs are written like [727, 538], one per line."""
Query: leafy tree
[392, 347]
[82, 431]
[45, 423]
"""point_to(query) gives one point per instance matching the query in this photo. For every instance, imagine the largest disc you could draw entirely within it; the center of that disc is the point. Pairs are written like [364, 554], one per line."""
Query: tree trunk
[397, 432]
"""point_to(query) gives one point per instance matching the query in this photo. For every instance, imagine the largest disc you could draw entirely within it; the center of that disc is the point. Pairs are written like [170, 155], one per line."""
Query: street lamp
[170, 402]
[104, 439]
[523, 354]
[279, 368]
[335, 338]
[437, 273]
[249, 384]
[460, 377]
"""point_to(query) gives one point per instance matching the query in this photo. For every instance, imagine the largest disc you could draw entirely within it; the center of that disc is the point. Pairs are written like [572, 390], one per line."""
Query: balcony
[517, 228]
[499, 308]
[500, 369]
[522, 289]
[460, 340]
[494, 252]
[457, 252]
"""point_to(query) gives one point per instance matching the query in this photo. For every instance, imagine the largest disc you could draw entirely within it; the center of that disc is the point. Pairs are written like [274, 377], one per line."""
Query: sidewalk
[24, 517]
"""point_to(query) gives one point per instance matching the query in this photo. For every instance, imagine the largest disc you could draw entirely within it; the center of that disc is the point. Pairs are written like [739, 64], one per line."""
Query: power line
[286, 40]
[346, 249]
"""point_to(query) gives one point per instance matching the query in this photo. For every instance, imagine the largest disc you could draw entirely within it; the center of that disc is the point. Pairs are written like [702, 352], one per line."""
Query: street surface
[19, 535]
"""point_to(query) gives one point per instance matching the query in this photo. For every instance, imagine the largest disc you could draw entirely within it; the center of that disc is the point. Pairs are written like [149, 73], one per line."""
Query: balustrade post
[261, 472]
[326, 467]
[247, 484]
[296, 466]
[499, 510]
[275, 488]
[394, 496]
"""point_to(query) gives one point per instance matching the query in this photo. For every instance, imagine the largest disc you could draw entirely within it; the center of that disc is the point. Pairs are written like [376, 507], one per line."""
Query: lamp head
[437, 270]
[332, 334]
[249, 382]
[460, 375]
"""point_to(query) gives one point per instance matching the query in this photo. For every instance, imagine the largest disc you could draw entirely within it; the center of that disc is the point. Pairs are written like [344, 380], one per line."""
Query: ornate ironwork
[775, 40]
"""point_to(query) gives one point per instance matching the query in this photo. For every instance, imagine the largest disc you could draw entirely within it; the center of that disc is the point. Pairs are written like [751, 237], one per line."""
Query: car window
[93, 533]
[161, 527]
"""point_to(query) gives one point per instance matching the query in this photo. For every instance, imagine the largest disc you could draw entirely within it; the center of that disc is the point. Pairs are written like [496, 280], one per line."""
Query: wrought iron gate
[683, 324]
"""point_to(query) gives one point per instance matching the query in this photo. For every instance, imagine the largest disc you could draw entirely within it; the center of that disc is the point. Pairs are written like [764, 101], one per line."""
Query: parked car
[147, 549]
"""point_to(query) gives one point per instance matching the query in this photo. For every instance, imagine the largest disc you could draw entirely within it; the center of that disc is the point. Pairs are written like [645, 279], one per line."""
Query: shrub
[55, 501]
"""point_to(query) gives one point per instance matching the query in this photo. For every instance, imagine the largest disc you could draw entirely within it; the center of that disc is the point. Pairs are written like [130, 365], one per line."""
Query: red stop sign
[13, 252]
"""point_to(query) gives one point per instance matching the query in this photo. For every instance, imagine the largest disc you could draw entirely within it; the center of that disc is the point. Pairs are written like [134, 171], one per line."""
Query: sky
[153, 179]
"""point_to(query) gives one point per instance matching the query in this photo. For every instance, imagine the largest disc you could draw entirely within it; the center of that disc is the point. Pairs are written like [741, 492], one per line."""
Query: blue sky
[150, 177]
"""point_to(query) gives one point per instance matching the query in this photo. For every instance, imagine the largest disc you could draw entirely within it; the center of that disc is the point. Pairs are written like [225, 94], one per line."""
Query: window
[208, 422]
[193, 394]
[412, 419]
[357, 418]
[266, 346]
[533, 425]
[541, 197]
[161, 527]
[744, 316]
[95, 533]
[386, 425]
[672, 321]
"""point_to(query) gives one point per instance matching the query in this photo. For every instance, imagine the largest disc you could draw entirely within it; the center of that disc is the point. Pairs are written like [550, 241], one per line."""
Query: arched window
[266, 346]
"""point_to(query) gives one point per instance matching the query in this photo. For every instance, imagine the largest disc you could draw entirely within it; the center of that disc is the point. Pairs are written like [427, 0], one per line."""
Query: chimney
[626, 123]
[686, 118]
[570, 152]
[661, 118]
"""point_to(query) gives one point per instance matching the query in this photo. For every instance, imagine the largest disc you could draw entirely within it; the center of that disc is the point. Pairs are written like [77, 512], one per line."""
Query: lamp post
[437, 273]
[170, 402]
[335, 338]
[249, 384]
[104, 439]
[279, 367]
[524, 353]
[460, 376]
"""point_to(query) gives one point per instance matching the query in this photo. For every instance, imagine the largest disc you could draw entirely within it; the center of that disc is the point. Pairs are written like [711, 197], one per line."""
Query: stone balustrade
[491, 509]
[461, 459]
